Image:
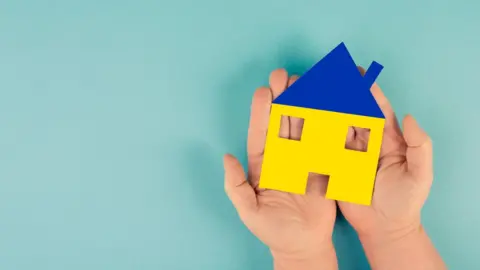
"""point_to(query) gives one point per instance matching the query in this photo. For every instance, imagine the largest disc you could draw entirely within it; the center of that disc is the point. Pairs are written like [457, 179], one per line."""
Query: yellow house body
[331, 97]
[321, 149]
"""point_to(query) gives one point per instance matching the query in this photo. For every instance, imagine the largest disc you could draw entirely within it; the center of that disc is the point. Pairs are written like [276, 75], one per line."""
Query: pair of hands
[298, 228]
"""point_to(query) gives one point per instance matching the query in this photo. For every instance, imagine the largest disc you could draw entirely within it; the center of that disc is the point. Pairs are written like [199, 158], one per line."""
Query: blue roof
[335, 84]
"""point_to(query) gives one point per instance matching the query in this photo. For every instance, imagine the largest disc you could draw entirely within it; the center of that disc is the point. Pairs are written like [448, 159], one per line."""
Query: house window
[357, 139]
[291, 128]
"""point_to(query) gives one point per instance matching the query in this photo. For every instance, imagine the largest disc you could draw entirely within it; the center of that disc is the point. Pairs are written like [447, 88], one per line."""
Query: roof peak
[335, 84]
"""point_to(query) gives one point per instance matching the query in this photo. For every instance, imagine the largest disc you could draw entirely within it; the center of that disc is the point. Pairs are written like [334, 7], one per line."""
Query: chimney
[372, 73]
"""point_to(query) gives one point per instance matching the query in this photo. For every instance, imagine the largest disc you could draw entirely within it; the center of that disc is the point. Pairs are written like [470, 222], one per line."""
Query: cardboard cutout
[331, 97]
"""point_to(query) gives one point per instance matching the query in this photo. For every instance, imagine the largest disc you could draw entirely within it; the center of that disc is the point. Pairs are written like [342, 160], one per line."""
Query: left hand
[403, 180]
[297, 228]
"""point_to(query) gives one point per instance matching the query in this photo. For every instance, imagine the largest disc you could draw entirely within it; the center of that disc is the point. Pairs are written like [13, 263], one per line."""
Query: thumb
[238, 189]
[419, 150]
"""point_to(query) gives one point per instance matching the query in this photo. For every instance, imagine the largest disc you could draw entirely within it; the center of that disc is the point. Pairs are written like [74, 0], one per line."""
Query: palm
[403, 177]
[302, 220]
[287, 223]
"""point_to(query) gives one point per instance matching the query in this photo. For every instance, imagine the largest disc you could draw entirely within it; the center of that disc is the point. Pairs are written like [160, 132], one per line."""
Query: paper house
[331, 97]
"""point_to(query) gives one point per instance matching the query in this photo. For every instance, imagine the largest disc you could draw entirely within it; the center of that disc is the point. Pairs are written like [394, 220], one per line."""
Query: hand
[403, 182]
[403, 179]
[297, 228]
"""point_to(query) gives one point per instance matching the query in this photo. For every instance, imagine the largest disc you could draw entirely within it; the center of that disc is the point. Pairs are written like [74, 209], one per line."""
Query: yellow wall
[322, 150]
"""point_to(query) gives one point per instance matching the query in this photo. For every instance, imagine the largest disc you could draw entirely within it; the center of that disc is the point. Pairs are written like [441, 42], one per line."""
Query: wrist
[321, 258]
[409, 248]
[385, 236]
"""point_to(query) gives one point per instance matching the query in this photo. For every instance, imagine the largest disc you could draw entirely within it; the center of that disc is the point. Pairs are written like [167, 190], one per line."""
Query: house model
[331, 97]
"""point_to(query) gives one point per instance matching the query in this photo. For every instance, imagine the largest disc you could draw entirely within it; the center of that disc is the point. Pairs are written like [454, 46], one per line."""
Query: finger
[362, 136]
[391, 121]
[296, 124]
[317, 184]
[419, 149]
[350, 136]
[238, 189]
[259, 118]
[392, 139]
[278, 83]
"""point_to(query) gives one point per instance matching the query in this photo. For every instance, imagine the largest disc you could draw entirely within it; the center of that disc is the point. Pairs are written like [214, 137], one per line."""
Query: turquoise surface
[114, 116]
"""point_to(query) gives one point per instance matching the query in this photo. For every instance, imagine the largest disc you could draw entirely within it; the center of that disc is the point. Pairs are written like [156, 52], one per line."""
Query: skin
[390, 229]
[298, 228]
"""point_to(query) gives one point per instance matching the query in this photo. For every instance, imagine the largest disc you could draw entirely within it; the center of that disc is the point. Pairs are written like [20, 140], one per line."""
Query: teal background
[114, 116]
